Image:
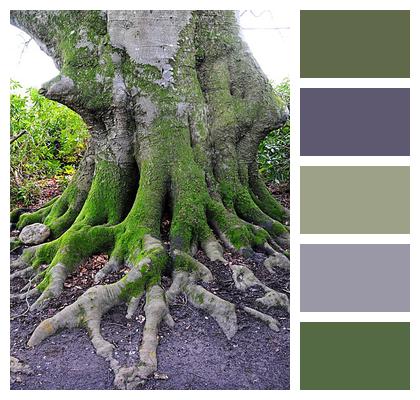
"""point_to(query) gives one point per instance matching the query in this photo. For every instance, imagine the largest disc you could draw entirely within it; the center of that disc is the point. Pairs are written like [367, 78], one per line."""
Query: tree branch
[18, 136]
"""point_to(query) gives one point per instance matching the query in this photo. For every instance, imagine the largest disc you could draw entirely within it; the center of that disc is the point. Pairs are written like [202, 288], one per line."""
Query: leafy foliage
[52, 141]
[274, 150]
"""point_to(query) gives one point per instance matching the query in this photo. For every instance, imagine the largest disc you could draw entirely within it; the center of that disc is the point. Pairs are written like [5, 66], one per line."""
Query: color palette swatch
[355, 355]
[357, 199]
[355, 44]
[362, 198]
[355, 277]
[355, 122]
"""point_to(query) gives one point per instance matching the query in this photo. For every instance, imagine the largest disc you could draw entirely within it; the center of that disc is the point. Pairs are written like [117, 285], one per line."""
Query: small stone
[34, 234]
[18, 367]
[159, 376]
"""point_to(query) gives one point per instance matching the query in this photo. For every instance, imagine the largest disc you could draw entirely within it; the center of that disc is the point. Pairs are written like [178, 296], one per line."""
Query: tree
[176, 107]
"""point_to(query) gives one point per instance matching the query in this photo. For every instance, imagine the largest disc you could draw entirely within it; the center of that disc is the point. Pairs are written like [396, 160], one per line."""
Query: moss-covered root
[22, 217]
[246, 237]
[88, 309]
[249, 211]
[156, 311]
[245, 279]
[63, 256]
[264, 199]
[87, 312]
[58, 214]
[221, 310]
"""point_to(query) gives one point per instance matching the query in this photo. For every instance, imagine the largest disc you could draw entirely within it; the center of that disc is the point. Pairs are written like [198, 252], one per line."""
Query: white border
[296, 161]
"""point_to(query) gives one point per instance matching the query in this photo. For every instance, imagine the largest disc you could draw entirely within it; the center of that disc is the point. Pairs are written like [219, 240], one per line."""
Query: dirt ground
[194, 354]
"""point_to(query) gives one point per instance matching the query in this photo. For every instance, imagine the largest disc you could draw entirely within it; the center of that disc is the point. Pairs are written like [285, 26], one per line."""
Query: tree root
[156, 311]
[272, 323]
[147, 264]
[129, 243]
[245, 279]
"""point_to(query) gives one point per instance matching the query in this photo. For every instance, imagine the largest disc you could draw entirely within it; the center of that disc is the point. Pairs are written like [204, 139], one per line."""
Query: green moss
[278, 229]
[264, 200]
[65, 210]
[150, 275]
[182, 262]
[45, 253]
[227, 191]
[110, 195]
[15, 244]
[239, 236]
[32, 218]
[44, 283]
[15, 214]
[81, 242]
[199, 298]
[91, 72]
[261, 236]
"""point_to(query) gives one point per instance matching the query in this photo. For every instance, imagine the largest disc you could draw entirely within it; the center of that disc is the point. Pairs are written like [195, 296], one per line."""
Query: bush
[52, 145]
[274, 150]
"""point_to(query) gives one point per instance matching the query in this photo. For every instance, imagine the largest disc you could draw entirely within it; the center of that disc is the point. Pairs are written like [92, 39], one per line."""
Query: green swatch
[356, 199]
[355, 355]
[355, 44]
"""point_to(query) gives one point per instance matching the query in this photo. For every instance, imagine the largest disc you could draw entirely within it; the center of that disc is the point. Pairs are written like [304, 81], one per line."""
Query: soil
[194, 354]
[281, 191]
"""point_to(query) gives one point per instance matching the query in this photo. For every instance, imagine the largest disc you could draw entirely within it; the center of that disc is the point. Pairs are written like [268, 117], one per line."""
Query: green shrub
[274, 150]
[53, 144]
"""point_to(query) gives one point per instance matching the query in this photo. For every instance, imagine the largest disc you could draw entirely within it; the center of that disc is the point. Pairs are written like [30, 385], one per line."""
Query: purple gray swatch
[355, 277]
[355, 122]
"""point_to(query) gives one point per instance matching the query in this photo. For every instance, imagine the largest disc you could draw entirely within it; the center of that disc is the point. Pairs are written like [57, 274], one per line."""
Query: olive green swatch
[355, 355]
[355, 44]
[359, 199]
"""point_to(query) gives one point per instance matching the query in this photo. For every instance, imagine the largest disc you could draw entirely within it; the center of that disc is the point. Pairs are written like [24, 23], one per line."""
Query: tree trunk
[176, 107]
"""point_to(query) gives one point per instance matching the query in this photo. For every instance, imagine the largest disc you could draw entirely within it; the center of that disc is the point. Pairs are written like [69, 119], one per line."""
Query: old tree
[176, 107]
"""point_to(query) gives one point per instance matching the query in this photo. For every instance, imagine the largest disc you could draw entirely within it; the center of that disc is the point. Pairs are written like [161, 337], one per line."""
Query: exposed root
[198, 270]
[113, 265]
[213, 250]
[245, 279]
[272, 323]
[25, 259]
[86, 311]
[156, 311]
[23, 296]
[23, 273]
[57, 275]
[276, 260]
[221, 310]
[273, 298]
[133, 305]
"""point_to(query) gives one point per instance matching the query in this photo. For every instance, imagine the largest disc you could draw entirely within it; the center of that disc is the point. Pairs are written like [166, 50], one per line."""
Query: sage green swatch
[355, 355]
[359, 199]
[355, 44]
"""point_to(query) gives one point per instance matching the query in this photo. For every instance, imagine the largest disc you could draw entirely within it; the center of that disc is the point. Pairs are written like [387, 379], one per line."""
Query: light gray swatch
[355, 277]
